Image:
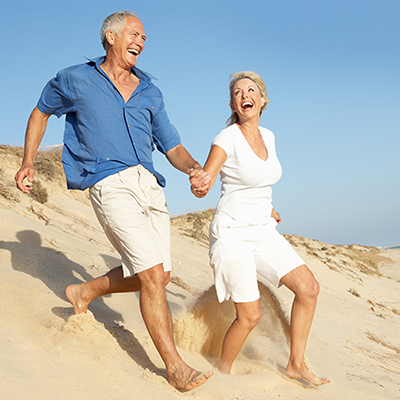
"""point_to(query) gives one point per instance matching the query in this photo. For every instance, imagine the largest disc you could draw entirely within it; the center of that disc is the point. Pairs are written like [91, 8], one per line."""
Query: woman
[243, 238]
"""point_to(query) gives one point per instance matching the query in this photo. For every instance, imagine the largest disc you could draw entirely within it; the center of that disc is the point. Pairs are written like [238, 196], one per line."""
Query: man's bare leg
[155, 312]
[158, 320]
[247, 317]
[80, 295]
[302, 283]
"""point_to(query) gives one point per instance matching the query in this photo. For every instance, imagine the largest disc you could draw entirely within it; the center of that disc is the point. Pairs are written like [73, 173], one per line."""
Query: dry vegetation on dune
[347, 258]
[350, 259]
[48, 168]
[195, 224]
[49, 177]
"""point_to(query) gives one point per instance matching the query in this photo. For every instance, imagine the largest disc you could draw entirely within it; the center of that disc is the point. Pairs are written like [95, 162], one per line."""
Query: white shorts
[239, 251]
[130, 206]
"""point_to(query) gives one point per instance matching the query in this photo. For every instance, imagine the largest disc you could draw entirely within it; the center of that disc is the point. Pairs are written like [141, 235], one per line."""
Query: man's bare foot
[74, 295]
[304, 373]
[194, 380]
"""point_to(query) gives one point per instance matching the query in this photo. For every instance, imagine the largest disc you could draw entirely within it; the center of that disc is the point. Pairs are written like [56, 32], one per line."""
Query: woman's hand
[200, 182]
[276, 216]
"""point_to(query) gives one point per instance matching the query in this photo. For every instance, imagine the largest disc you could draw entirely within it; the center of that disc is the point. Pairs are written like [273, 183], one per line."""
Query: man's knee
[154, 275]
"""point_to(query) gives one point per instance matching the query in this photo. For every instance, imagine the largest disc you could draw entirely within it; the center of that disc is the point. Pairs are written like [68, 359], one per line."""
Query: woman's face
[246, 100]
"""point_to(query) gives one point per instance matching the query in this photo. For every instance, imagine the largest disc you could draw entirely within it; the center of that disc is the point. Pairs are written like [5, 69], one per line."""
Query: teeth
[133, 51]
[247, 104]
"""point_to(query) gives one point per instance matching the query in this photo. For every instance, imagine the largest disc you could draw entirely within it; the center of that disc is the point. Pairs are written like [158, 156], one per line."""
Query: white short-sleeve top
[246, 193]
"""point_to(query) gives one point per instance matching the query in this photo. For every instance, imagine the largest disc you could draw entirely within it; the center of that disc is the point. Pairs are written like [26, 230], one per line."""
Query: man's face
[126, 47]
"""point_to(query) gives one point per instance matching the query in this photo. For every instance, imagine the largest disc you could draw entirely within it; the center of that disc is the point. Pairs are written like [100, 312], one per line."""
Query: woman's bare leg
[247, 317]
[302, 283]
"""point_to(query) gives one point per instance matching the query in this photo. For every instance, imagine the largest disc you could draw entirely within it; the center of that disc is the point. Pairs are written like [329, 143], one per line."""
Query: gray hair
[259, 83]
[114, 23]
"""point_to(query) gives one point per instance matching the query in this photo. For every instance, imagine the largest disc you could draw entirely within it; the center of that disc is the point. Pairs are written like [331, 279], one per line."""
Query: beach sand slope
[48, 353]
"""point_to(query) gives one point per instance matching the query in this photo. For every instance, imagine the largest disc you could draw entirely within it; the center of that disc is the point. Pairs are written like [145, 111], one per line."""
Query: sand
[48, 353]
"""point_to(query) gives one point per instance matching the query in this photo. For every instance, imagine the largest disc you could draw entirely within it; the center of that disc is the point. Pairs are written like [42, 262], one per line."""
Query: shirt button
[128, 125]
[108, 159]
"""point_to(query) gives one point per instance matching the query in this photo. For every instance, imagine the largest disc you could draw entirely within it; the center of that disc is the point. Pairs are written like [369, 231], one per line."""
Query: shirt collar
[142, 75]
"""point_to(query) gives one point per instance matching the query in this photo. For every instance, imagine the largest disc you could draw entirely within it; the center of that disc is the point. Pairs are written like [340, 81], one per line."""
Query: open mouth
[247, 105]
[133, 51]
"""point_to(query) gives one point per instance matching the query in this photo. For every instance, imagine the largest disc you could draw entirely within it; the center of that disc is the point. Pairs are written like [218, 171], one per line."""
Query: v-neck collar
[239, 131]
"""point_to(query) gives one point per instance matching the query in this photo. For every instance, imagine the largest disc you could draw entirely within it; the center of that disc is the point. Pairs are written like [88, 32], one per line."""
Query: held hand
[276, 216]
[27, 171]
[200, 182]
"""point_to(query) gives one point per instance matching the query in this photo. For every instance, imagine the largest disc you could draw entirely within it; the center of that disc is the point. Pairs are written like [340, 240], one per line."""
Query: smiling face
[246, 100]
[126, 47]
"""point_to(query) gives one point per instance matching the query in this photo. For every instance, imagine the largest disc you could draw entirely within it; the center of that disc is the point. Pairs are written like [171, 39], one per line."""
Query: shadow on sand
[56, 271]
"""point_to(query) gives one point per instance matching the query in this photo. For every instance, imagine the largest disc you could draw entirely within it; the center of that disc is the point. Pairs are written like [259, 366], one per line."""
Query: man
[115, 117]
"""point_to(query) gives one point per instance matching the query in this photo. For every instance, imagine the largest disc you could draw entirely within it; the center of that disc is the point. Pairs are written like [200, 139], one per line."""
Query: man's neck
[124, 80]
[116, 72]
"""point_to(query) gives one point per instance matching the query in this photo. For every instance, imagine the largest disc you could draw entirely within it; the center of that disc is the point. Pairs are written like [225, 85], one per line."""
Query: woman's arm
[216, 159]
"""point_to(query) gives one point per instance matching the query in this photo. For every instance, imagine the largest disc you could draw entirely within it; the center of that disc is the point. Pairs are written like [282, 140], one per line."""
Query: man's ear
[110, 35]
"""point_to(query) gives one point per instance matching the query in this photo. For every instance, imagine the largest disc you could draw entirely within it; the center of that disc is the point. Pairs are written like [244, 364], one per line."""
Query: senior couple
[115, 116]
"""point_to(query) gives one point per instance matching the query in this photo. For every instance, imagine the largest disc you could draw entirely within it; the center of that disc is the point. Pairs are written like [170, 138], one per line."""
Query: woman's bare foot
[224, 368]
[304, 373]
[74, 294]
[192, 381]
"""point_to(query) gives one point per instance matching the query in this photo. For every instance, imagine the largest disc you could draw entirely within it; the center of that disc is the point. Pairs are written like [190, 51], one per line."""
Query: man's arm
[35, 130]
[180, 158]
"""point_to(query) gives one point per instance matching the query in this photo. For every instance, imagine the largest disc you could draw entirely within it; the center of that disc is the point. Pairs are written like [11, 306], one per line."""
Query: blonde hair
[237, 76]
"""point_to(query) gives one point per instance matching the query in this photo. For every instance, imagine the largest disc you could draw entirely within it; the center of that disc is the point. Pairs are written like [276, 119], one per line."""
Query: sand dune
[48, 353]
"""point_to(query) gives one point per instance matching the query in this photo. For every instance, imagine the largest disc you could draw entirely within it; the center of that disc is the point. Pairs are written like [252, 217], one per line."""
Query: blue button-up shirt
[103, 134]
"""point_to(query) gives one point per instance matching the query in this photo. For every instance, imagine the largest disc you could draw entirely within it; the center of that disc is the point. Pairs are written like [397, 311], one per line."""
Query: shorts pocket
[219, 224]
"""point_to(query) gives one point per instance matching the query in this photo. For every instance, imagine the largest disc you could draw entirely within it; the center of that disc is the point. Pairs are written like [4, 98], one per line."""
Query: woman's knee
[249, 319]
[313, 288]
[309, 289]
[302, 283]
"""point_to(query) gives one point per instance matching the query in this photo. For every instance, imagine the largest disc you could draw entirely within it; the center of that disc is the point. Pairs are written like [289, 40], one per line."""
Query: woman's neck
[249, 128]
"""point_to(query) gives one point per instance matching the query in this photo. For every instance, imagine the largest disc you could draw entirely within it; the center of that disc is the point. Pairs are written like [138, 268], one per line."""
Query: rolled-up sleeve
[165, 134]
[56, 97]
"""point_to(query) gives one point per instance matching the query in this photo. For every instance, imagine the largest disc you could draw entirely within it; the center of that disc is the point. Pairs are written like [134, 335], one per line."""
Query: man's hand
[35, 130]
[27, 171]
[200, 182]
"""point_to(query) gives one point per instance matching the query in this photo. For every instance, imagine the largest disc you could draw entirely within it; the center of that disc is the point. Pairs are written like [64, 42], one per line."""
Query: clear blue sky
[332, 71]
